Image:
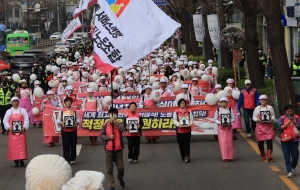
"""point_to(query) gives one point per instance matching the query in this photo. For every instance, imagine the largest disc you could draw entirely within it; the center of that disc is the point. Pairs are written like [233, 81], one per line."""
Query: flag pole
[111, 86]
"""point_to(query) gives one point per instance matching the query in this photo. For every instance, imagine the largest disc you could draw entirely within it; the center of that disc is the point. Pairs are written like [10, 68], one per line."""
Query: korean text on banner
[82, 6]
[124, 33]
[156, 123]
[214, 30]
[72, 27]
[199, 27]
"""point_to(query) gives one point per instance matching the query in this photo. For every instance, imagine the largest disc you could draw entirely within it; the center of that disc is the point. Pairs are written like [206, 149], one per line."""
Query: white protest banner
[199, 27]
[124, 33]
[73, 26]
[82, 6]
[214, 30]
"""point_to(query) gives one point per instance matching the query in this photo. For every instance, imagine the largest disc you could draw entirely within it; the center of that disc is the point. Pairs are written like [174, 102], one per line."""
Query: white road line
[78, 149]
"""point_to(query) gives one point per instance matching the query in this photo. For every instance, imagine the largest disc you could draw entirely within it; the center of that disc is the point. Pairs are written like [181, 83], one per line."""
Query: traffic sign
[237, 55]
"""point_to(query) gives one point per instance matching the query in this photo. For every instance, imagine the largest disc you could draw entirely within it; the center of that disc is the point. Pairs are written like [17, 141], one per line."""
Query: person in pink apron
[264, 116]
[212, 78]
[146, 101]
[16, 122]
[124, 96]
[129, 85]
[90, 103]
[183, 120]
[62, 87]
[224, 117]
[26, 99]
[188, 96]
[37, 103]
[165, 91]
[103, 85]
[194, 89]
[237, 122]
[51, 140]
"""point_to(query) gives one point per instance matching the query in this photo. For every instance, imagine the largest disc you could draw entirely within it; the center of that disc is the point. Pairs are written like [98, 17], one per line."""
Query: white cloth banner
[124, 35]
[199, 27]
[82, 6]
[214, 30]
[74, 25]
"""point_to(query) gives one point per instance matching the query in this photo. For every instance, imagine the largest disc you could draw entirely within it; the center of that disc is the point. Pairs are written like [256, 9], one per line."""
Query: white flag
[124, 33]
[72, 27]
[82, 6]
[199, 27]
[214, 30]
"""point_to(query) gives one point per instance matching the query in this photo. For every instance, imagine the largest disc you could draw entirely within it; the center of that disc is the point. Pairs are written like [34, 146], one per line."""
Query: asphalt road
[160, 168]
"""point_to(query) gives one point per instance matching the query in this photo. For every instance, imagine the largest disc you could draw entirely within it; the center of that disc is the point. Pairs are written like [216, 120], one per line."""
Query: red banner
[157, 122]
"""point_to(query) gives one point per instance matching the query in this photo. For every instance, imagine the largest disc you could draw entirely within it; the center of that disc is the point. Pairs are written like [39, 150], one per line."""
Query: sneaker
[290, 175]
[122, 183]
[111, 188]
[22, 163]
[130, 160]
[187, 159]
[72, 162]
[40, 126]
[234, 137]
[135, 161]
[248, 135]
[34, 125]
[182, 159]
[294, 171]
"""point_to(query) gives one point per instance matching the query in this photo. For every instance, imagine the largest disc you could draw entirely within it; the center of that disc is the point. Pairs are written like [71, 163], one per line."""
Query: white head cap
[210, 61]
[23, 80]
[162, 80]
[247, 81]
[148, 86]
[224, 99]
[70, 87]
[90, 90]
[195, 79]
[184, 86]
[36, 82]
[218, 86]
[14, 98]
[64, 78]
[102, 77]
[59, 75]
[50, 92]
[123, 90]
[263, 97]
[229, 81]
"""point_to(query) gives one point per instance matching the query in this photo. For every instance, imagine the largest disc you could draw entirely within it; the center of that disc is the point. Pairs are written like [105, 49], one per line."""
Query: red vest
[117, 139]
[180, 114]
[66, 129]
[249, 99]
[131, 115]
[290, 128]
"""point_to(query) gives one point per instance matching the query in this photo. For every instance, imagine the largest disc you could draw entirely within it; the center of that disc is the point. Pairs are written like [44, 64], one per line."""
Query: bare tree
[208, 44]
[283, 82]
[250, 10]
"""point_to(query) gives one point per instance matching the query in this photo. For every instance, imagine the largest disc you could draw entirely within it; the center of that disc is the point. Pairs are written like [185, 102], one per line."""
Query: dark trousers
[109, 166]
[134, 147]
[263, 70]
[184, 140]
[269, 144]
[3, 110]
[290, 150]
[69, 140]
[248, 115]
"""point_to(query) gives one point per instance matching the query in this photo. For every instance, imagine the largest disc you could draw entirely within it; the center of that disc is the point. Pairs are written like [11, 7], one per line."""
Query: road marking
[288, 182]
[252, 144]
[78, 149]
[274, 168]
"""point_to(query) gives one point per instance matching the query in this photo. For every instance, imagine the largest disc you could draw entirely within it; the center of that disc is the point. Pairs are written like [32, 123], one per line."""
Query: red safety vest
[290, 128]
[133, 115]
[249, 99]
[117, 139]
[186, 113]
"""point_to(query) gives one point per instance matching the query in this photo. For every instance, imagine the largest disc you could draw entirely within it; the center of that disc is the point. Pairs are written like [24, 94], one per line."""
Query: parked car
[60, 47]
[39, 53]
[55, 36]
[71, 41]
[23, 62]
[78, 39]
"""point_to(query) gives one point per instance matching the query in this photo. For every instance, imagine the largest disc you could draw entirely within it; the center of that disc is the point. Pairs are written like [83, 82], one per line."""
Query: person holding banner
[103, 85]
[62, 87]
[189, 97]
[147, 102]
[183, 120]
[134, 123]
[124, 96]
[194, 88]
[26, 99]
[111, 133]
[264, 116]
[16, 122]
[212, 78]
[50, 101]
[165, 91]
[90, 103]
[37, 103]
[224, 117]
[69, 121]
[75, 103]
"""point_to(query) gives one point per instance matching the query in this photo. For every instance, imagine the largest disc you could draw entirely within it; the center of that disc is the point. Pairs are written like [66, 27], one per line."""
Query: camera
[291, 118]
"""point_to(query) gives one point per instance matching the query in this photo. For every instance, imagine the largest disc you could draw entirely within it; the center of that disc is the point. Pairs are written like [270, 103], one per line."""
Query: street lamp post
[5, 9]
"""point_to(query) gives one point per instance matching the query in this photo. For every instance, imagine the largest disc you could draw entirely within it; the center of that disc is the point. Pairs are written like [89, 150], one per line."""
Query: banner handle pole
[111, 86]
[234, 67]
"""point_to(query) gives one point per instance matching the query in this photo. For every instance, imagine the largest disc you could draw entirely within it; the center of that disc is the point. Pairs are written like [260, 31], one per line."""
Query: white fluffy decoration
[194, 73]
[106, 101]
[38, 92]
[205, 77]
[85, 180]
[215, 70]
[33, 77]
[47, 171]
[95, 77]
[176, 86]
[35, 111]
[70, 80]
[236, 94]
[221, 94]
[228, 90]
[156, 95]
[69, 73]
[16, 77]
[152, 79]
[155, 85]
[211, 99]
[93, 85]
[118, 79]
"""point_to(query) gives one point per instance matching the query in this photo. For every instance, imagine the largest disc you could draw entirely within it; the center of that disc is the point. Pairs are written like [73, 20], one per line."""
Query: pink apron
[237, 124]
[50, 139]
[226, 141]
[16, 146]
[194, 90]
[264, 131]
[165, 93]
[150, 103]
[38, 103]
[91, 106]
[25, 102]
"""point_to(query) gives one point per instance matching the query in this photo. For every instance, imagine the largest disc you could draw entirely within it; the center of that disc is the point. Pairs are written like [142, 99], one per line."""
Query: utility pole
[58, 29]
[5, 10]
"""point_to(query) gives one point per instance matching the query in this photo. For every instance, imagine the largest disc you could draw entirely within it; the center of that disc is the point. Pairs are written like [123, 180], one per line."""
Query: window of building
[17, 13]
[9, 13]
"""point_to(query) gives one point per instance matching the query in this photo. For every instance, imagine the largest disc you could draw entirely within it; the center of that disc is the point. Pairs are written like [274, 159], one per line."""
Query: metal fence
[45, 44]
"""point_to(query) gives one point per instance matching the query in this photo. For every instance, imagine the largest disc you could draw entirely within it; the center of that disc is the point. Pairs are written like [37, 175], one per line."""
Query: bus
[18, 42]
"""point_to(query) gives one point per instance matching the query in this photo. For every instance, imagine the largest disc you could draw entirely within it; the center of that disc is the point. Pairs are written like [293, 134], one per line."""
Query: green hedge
[224, 74]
